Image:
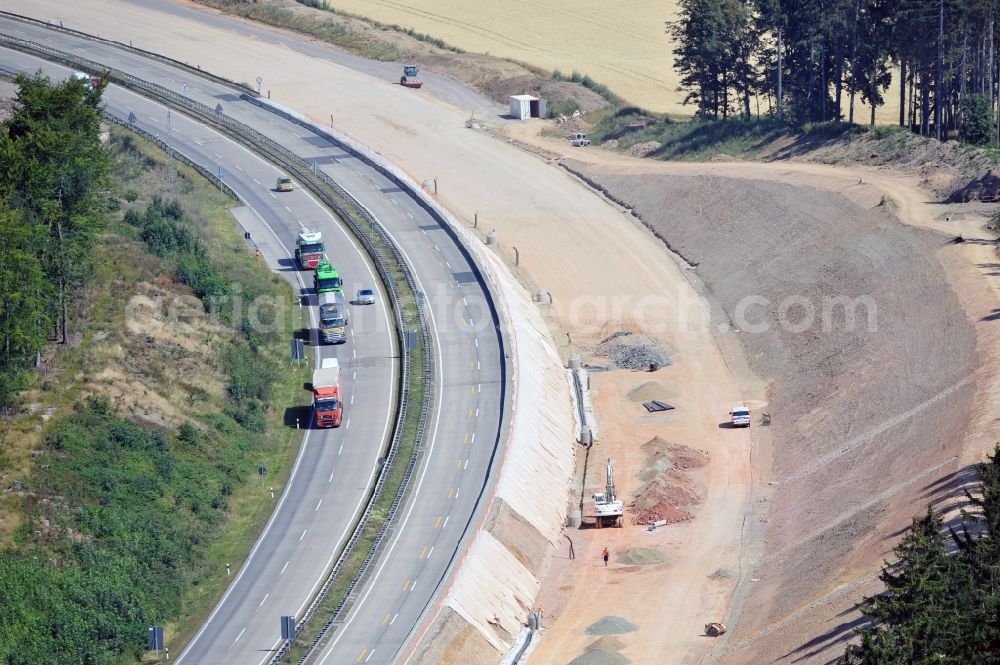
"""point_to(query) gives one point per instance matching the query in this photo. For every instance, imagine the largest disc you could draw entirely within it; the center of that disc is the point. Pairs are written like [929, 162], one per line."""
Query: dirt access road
[869, 425]
[598, 264]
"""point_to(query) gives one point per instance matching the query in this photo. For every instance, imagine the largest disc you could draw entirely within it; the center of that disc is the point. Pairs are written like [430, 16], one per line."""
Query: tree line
[941, 602]
[53, 177]
[812, 61]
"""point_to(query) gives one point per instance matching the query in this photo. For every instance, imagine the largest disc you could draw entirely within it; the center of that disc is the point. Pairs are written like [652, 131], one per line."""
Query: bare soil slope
[858, 415]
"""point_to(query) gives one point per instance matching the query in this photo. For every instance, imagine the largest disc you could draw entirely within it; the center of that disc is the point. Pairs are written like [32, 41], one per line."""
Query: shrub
[977, 120]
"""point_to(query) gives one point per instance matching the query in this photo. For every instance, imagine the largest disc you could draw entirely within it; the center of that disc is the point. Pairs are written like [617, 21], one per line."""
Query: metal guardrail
[351, 211]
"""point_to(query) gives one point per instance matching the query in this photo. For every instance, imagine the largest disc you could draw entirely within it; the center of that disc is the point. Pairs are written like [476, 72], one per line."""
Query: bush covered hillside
[129, 432]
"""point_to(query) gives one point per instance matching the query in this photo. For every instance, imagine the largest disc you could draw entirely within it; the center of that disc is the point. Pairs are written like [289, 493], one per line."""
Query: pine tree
[917, 618]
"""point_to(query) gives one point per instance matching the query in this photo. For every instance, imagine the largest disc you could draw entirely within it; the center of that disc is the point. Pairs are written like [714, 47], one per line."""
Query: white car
[365, 297]
[739, 416]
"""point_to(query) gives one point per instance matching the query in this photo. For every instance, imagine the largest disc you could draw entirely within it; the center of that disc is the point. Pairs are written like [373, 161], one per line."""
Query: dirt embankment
[495, 77]
[860, 409]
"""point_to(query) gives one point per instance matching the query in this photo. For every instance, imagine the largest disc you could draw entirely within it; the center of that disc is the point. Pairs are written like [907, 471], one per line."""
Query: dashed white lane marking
[303, 535]
[319, 504]
[283, 568]
[239, 636]
[262, 601]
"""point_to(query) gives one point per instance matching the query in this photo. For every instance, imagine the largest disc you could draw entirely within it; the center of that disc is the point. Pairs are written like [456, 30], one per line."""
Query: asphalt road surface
[466, 426]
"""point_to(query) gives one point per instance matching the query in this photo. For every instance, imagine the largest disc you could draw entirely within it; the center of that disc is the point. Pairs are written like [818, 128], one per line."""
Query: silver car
[365, 297]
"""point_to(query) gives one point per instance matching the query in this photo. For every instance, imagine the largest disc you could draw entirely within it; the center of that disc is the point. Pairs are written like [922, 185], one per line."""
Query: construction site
[651, 302]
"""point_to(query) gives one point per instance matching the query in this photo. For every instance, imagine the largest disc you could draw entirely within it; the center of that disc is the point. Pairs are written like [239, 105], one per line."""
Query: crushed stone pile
[642, 556]
[608, 643]
[611, 625]
[600, 657]
[636, 352]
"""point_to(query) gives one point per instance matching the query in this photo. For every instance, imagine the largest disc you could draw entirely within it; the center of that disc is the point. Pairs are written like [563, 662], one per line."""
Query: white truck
[333, 317]
[739, 416]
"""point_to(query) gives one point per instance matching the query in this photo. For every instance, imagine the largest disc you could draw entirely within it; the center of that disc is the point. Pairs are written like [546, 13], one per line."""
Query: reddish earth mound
[664, 510]
[670, 489]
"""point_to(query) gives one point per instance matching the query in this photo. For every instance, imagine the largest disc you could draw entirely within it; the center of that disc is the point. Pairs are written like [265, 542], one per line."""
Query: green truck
[326, 278]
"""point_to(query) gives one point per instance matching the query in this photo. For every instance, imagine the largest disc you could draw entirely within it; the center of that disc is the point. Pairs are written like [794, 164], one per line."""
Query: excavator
[608, 511]
[410, 78]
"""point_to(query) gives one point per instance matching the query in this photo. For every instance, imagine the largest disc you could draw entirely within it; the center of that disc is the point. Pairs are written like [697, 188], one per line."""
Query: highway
[467, 424]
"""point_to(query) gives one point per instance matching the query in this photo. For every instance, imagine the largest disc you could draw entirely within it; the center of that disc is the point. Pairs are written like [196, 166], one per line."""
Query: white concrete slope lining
[499, 581]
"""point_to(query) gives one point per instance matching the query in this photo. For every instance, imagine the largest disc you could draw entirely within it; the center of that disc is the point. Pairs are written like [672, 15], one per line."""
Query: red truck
[328, 410]
[309, 249]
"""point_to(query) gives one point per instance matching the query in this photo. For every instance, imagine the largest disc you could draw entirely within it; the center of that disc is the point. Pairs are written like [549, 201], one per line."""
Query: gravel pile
[600, 657]
[636, 352]
[611, 625]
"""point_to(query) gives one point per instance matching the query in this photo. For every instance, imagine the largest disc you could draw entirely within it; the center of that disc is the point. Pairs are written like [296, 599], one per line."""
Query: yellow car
[284, 185]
